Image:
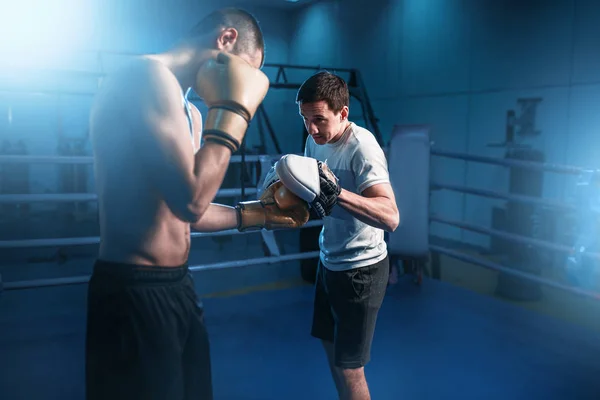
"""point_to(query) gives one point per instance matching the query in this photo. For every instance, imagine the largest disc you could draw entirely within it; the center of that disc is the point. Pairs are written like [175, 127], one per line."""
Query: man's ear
[344, 113]
[227, 39]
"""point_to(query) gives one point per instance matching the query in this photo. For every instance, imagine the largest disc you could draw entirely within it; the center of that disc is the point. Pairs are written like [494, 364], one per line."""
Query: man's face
[322, 123]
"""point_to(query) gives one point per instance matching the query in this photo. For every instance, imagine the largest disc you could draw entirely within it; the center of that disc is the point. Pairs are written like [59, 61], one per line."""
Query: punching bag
[408, 159]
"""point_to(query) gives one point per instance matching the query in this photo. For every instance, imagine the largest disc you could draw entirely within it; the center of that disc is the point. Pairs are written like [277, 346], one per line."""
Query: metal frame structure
[356, 87]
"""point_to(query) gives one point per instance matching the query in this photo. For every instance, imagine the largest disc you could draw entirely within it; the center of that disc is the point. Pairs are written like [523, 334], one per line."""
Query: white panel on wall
[518, 44]
[447, 116]
[435, 46]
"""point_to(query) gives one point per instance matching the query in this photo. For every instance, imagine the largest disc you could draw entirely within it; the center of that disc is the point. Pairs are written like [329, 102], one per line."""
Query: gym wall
[459, 65]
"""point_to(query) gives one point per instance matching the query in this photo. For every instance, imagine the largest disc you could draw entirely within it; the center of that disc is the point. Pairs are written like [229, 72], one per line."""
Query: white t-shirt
[359, 163]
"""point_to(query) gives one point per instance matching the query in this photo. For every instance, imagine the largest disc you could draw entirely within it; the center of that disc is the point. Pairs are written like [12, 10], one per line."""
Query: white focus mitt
[311, 180]
[270, 178]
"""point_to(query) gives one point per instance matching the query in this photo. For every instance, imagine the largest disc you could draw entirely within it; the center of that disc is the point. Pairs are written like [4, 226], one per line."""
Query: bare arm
[217, 217]
[187, 182]
[376, 206]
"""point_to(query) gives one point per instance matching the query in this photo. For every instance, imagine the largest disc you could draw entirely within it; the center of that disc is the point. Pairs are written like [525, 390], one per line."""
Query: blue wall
[456, 65]
[459, 66]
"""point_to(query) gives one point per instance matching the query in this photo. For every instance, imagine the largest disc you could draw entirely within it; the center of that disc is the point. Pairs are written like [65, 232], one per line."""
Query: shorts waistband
[135, 273]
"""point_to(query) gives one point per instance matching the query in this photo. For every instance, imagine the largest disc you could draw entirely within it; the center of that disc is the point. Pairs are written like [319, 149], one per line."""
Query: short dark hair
[250, 37]
[327, 87]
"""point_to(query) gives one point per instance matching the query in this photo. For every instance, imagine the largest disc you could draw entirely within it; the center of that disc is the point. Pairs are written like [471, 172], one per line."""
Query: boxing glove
[330, 191]
[232, 90]
[311, 180]
[277, 208]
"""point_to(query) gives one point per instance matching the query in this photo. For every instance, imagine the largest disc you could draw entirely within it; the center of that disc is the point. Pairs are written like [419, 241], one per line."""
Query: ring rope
[279, 258]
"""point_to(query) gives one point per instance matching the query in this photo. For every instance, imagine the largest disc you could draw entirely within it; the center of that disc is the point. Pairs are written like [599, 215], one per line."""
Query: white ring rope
[265, 160]
[87, 197]
[89, 240]
[76, 280]
[15, 159]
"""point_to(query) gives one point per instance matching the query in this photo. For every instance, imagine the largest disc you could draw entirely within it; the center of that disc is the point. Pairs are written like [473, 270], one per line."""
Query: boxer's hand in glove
[330, 190]
[232, 89]
[277, 208]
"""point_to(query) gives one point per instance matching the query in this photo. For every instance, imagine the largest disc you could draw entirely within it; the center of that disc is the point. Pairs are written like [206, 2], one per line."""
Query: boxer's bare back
[137, 225]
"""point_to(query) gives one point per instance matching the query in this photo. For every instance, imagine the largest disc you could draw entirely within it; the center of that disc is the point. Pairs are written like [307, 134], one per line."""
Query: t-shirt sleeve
[370, 166]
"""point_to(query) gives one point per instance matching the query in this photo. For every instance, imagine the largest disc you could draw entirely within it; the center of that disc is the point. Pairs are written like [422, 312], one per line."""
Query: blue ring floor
[436, 341]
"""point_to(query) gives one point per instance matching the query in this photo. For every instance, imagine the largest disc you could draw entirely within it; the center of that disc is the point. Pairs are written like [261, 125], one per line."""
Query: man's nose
[312, 129]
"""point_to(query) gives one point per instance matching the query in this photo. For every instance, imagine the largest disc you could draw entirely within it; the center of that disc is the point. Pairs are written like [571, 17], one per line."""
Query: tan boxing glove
[232, 89]
[277, 208]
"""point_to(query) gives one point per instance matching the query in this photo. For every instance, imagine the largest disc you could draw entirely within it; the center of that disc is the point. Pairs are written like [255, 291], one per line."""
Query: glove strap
[250, 216]
[233, 107]
[221, 138]
[318, 209]
[330, 190]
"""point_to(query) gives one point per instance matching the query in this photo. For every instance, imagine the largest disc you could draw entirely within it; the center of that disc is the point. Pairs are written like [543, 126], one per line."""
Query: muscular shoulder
[368, 160]
[144, 81]
[361, 137]
[364, 144]
[156, 86]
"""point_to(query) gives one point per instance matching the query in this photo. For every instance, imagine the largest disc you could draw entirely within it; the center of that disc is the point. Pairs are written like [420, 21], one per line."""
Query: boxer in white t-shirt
[354, 266]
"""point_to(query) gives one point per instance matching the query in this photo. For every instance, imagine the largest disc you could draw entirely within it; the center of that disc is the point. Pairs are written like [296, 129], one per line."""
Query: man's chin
[320, 140]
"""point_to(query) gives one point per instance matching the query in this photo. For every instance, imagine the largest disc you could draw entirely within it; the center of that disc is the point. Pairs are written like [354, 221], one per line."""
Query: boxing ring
[434, 340]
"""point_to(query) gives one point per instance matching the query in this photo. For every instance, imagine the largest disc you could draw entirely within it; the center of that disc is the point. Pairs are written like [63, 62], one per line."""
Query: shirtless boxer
[146, 337]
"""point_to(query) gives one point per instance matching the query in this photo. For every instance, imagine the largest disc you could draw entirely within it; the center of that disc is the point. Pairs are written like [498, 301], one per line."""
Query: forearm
[217, 217]
[210, 165]
[379, 212]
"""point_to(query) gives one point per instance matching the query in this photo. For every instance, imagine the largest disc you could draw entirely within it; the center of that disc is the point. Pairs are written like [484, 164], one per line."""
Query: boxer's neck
[184, 63]
[341, 133]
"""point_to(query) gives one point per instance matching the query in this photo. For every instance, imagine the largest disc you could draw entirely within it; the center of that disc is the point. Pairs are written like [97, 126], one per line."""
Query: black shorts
[146, 337]
[345, 310]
